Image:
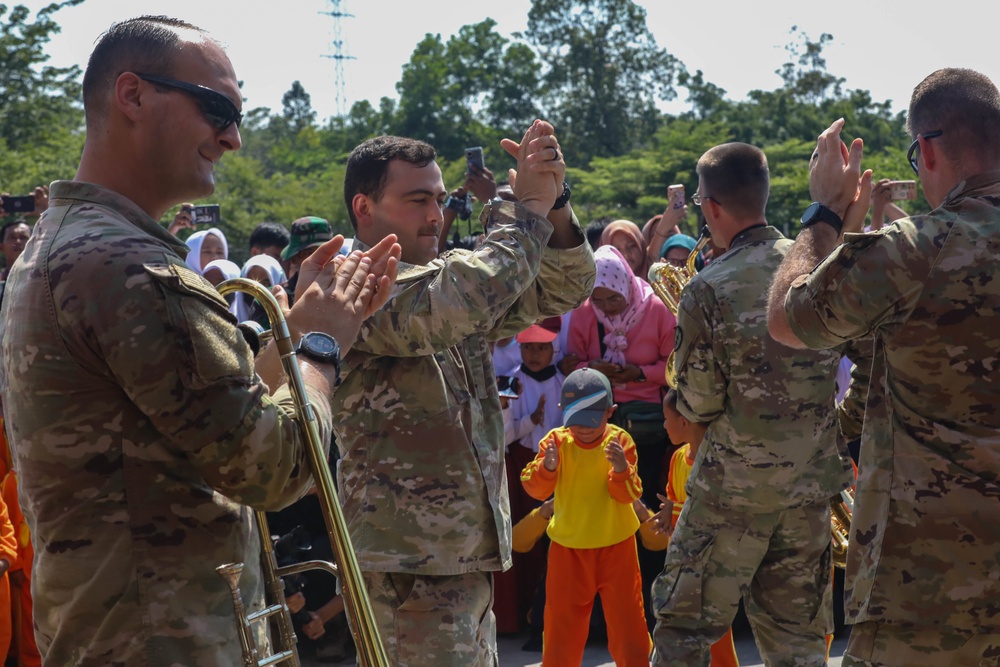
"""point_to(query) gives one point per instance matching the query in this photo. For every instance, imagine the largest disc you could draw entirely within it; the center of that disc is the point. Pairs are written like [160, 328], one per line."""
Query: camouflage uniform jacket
[418, 418]
[139, 431]
[772, 440]
[925, 537]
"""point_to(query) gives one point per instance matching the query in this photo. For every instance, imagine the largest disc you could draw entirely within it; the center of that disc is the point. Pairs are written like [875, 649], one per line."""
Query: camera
[24, 204]
[208, 214]
[508, 386]
[900, 190]
[461, 205]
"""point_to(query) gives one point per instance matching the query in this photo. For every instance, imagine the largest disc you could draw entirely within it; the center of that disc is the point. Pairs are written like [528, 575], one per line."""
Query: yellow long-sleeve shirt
[593, 506]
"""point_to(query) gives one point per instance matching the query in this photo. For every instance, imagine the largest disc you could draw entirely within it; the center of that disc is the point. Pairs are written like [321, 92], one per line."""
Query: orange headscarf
[632, 231]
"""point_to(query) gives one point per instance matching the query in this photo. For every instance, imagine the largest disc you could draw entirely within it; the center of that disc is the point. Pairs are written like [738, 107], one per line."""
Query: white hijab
[274, 271]
[194, 242]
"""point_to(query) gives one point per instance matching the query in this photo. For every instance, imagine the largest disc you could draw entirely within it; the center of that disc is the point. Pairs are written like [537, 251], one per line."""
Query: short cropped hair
[736, 176]
[965, 106]
[146, 44]
[268, 234]
[368, 166]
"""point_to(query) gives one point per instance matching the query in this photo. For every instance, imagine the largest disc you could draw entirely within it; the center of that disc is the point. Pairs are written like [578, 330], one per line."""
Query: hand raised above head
[541, 168]
[835, 171]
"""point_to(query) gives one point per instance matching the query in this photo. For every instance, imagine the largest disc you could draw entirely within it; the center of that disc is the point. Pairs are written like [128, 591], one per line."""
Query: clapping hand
[551, 460]
[615, 453]
[663, 519]
[538, 179]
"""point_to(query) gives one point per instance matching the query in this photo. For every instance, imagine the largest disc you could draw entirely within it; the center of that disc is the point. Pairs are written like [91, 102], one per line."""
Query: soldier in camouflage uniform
[418, 418]
[922, 572]
[139, 427]
[757, 521]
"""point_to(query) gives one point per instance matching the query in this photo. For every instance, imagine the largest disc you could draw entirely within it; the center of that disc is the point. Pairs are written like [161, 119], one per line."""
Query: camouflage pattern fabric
[139, 432]
[881, 644]
[779, 562]
[435, 621]
[772, 439]
[851, 411]
[771, 447]
[418, 418]
[927, 514]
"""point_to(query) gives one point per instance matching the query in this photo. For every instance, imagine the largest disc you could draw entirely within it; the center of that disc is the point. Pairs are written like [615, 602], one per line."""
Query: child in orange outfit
[590, 466]
[20, 577]
[681, 430]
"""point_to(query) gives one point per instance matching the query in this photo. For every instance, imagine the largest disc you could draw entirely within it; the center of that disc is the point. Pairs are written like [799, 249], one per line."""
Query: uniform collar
[753, 234]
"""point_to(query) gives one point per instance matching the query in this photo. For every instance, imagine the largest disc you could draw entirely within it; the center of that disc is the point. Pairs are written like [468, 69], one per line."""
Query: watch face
[810, 212]
[322, 345]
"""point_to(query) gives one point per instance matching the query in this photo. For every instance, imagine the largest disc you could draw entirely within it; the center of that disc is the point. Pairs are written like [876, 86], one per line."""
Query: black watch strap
[818, 213]
[563, 198]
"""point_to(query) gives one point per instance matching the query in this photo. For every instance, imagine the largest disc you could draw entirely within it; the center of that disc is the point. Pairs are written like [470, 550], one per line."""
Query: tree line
[591, 67]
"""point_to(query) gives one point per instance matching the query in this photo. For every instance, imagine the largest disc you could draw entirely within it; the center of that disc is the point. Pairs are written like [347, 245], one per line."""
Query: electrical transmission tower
[339, 55]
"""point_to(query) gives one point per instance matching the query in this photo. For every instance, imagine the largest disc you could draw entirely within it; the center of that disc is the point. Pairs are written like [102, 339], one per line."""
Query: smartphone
[900, 190]
[675, 195]
[508, 386]
[206, 215]
[474, 158]
[24, 204]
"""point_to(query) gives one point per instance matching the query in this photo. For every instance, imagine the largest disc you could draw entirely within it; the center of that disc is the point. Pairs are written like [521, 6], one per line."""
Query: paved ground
[597, 655]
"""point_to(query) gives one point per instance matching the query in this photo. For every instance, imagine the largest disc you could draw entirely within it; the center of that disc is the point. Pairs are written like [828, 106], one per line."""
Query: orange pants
[575, 577]
[724, 651]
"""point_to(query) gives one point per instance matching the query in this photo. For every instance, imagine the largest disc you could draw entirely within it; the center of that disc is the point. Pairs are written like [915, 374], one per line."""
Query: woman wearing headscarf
[219, 270]
[626, 332]
[205, 247]
[676, 249]
[268, 272]
[627, 238]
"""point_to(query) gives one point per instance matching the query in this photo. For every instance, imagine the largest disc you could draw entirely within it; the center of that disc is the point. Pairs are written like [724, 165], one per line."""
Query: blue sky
[885, 47]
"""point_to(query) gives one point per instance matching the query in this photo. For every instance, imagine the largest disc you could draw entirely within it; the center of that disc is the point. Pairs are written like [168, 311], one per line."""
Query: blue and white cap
[586, 397]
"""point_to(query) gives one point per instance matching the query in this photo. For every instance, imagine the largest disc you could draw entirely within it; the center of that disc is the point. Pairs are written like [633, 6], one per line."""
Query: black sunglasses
[911, 156]
[217, 108]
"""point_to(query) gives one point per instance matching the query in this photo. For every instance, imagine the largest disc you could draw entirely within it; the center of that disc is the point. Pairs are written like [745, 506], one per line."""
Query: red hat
[545, 331]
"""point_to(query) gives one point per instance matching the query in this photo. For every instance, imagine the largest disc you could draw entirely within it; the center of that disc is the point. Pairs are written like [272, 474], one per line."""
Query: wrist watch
[819, 213]
[322, 348]
[563, 198]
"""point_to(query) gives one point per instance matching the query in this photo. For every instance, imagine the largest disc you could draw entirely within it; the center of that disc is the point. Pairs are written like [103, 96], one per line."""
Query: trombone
[371, 652]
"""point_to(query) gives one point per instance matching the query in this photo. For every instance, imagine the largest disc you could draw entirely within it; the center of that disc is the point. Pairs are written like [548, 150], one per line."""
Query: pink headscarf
[614, 273]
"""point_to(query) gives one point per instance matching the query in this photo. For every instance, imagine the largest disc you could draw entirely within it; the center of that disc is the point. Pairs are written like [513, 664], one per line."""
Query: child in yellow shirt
[690, 433]
[590, 466]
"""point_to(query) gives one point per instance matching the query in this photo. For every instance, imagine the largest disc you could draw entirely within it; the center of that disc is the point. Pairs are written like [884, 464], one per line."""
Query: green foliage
[40, 118]
[604, 72]
[590, 66]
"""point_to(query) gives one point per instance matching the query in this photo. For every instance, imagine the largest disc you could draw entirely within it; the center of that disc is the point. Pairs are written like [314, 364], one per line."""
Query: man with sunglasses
[141, 426]
[922, 573]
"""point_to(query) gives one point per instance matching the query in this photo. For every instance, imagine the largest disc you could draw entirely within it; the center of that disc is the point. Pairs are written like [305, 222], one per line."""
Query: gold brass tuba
[371, 652]
[668, 281]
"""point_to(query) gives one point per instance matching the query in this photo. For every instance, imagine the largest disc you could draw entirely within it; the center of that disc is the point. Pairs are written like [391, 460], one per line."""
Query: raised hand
[538, 180]
[615, 453]
[539, 414]
[835, 171]
[551, 460]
